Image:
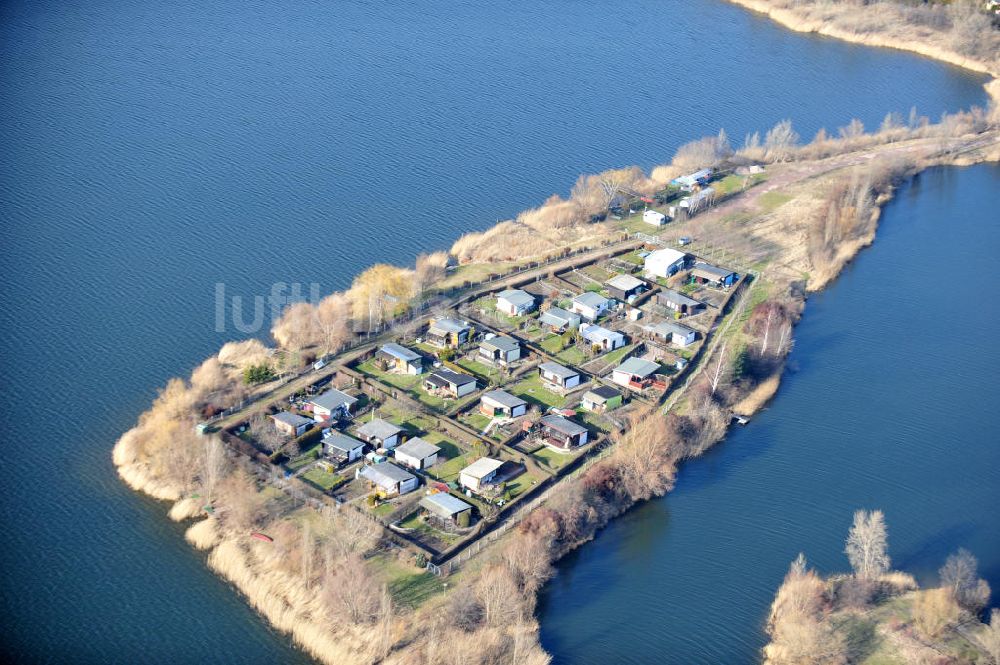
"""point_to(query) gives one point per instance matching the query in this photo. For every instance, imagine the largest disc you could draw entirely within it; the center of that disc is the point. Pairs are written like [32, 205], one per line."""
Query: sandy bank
[794, 19]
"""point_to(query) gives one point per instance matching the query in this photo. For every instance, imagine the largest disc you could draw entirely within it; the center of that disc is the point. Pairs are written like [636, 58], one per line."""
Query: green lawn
[531, 390]
[594, 420]
[401, 381]
[415, 522]
[481, 370]
[552, 459]
[449, 470]
[383, 509]
[552, 344]
[323, 479]
[409, 420]
[305, 458]
[519, 485]
[633, 258]
[408, 586]
[571, 355]
[616, 356]
[439, 403]
[476, 420]
[596, 272]
[771, 200]
[474, 273]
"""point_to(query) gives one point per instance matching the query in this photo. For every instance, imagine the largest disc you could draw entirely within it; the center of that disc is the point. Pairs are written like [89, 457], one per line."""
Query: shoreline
[283, 601]
[287, 604]
[796, 22]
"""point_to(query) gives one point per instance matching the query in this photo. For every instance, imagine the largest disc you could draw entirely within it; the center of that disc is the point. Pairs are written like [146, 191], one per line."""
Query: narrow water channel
[889, 402]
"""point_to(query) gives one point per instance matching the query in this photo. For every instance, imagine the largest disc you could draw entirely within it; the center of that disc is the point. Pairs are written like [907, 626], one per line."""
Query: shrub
[255, 374]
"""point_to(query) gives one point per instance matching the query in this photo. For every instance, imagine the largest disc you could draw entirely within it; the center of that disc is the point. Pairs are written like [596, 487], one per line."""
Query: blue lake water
[151, 150]
[888, 403]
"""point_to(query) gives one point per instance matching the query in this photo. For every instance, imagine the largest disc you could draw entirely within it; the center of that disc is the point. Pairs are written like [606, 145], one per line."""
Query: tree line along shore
[346, 578]
[878, 615]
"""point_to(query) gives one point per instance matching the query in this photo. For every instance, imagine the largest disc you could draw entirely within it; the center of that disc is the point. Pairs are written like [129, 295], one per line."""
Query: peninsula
[392, 480]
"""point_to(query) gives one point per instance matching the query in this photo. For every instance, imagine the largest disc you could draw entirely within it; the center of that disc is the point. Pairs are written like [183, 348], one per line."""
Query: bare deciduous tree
[497, 593]
[989, 637]
[383, 627]
[242, 506]
[308, 550]
[646, 455]
[960, 575]
[264, 432]
[780, 140]
[720, 368]
[934, 611]
[350, 590]
[799, 633]
[867, 544]
[464, 610]
[215, 467]
[333, 322]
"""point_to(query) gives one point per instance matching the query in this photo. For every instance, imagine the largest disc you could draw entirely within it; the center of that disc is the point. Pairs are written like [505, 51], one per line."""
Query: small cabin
[664, 262]
[562, 432]
[559, 320]
[417, 453]
[606, 340]
[447, 383]
[332, 405]
[499, 350]
[515, 302]
[400, 359]
[448, 333]
[678, 302]
[602, 398]
[478, 476]
[500, 403]
[672, 332]
[591, 305]
[706, 273]
[389, 479]
[342, 448]
[290, 424]
[635, 373]
[554, 375]
[380, 433]
[447, 508]
[624, 287]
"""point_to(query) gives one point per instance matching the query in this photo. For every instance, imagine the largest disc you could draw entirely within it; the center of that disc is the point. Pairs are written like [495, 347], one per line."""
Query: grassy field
[473, 272]
[415, 522]
[448, 471]
[552, 459]
[571, 356]
[439, 403]
[633, 258]
[476, 420]
[616, 356]
[324, 480]
[552, 344]
[305, 458]
[481, 370]
[769, 201]
[531, 390]
[408, 586]
[401, 381]
[520, 485]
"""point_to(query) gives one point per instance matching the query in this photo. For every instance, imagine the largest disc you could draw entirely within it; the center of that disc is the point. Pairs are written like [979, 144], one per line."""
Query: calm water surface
[888, 403]
[153, 149]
